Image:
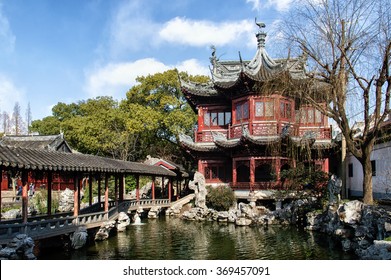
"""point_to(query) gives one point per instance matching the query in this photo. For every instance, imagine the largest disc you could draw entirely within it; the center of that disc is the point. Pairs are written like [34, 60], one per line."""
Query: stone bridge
[41, 227]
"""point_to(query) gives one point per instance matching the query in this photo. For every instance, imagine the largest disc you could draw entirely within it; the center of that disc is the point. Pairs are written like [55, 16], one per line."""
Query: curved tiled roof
[35, 159]
[42, 142]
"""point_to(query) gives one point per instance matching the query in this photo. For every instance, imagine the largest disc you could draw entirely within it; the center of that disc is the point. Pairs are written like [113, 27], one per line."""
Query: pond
[176, 239]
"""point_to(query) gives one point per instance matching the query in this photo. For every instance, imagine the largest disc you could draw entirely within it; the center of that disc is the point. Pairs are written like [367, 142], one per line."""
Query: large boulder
[350, 212]
[11, 214]
[379, 250]
[154, 212]
[65, 203]
[104, 231]
[20, 248]
[79, 238]
[198, 185]
[123, 221]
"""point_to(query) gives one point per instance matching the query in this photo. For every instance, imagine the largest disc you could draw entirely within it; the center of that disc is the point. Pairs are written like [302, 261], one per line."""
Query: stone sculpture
[79, 238]
[200, 191]
[334, 187]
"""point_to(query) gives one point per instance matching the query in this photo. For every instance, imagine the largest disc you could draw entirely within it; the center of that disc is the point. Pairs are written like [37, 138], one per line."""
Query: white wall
[382, 155]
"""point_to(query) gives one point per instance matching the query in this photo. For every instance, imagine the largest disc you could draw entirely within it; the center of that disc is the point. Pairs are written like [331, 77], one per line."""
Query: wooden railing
[39, 227]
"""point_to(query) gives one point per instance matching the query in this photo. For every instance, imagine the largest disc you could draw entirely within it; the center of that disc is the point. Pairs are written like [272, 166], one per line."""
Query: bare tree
[28, 118]
[5, 122]
[348, 48]
[17, 121]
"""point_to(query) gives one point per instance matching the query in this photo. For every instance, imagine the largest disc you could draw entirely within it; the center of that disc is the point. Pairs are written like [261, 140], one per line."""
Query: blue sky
[66, 51]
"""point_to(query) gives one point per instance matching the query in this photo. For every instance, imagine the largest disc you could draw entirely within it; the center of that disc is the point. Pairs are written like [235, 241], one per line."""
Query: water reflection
[172, 238]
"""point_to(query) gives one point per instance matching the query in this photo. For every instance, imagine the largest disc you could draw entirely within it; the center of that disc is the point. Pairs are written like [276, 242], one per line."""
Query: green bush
[303, 177]
[220, 198]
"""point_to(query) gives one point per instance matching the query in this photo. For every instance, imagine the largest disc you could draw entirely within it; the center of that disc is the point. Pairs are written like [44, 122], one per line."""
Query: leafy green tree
[148, 121]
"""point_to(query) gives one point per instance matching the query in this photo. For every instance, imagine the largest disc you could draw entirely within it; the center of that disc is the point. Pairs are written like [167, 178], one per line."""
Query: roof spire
[261, 35]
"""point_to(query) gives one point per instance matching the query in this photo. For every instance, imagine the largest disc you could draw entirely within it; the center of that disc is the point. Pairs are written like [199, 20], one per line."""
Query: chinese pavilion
[252, 123]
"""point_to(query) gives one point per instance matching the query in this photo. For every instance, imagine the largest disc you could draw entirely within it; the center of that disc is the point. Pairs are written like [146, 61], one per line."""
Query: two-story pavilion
[252, 122]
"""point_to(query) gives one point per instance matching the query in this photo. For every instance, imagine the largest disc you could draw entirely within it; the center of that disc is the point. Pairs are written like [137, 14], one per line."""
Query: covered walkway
[28, 164]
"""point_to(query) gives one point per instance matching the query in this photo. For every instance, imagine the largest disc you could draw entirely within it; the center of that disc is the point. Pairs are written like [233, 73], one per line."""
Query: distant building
[44, 142]
[381, 165]
[253, 123]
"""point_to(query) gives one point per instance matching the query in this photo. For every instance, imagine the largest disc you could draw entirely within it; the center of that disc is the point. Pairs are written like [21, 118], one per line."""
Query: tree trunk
[367, 180]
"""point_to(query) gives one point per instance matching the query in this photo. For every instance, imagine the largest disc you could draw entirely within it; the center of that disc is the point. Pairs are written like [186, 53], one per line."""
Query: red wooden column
[1, 180]
[169, 188]
[106, 209]
[252, 173]
[76, 194]
[90, 189]
[25, 200]
[277, 168]
[177, 189]
[153, 187]
[162, 186]
[50, 187]
[234, 173]
[121, 187]
[99, 188]
[116, 189]
[138, 188]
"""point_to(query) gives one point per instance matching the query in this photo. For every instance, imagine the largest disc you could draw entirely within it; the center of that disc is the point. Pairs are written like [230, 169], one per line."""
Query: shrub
[220, 198]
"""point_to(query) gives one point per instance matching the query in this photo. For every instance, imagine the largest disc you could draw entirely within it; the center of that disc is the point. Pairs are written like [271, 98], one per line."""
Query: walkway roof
[35, 159]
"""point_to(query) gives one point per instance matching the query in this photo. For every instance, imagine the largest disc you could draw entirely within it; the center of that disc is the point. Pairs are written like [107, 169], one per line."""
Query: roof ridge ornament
[261, 35]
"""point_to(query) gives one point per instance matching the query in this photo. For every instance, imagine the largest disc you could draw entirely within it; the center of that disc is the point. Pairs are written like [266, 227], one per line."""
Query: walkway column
[106, 208]
[177, 189]
[162, 186]
[153, 187]
[121, 187]
[99, 188]
[24, 196]
[90, 189]
[169, 188]
[76, 195]
[50, 187]
[252, 173]
[1, 180]
[116, 190]
[138, 188]
[278, 169]
[234, 173]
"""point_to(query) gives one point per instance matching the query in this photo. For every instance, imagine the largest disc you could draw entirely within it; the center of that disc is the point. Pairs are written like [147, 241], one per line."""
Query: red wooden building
[252, 122]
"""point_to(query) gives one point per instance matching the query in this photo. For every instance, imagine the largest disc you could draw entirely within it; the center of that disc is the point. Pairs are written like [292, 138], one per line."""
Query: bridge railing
[60, 223]
[36, 228]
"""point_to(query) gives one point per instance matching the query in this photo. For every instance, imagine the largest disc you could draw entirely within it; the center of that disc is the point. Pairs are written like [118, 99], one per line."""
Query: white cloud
[115, 79]
[204, 33]
[7, 38]
[279, 5]
[9, 94]
[256, 4]
[130, 29]
[193, 67]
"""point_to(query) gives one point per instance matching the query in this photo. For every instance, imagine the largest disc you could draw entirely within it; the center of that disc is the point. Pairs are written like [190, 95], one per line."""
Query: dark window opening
[264, 173]
[350, 170]
[373, 163]
[243, 171]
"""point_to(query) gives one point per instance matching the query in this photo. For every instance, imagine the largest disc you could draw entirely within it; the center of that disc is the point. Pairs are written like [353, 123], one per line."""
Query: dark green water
[172, 238]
